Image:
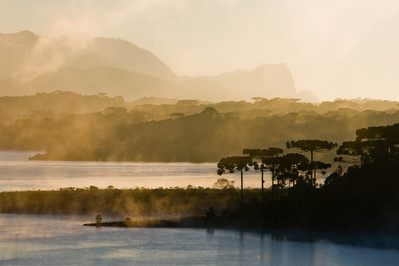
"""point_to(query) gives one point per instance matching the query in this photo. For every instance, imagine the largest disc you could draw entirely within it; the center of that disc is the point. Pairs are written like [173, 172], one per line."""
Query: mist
[277, 117]
[87, 65]
[335, 49]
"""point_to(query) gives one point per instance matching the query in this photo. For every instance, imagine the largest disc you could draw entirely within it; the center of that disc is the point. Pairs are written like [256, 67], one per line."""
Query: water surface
[61, 240]
[18, 173]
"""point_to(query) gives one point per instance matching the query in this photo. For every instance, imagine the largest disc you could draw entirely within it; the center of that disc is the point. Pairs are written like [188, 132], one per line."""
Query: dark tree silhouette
[351, 148]
[272, 164]
[223, 183]
[234, 164]
[99, 219]
[373, 145]
[361, 151]
[262, 154]
[291, 166]
[210, 213]
[311, 146]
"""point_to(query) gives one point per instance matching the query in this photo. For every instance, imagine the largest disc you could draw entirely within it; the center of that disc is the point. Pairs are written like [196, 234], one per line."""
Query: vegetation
[235, 164]
[313, 146]
[266, 157]
[360, 196]
[101, 128]
[363, 198]
[137, 202]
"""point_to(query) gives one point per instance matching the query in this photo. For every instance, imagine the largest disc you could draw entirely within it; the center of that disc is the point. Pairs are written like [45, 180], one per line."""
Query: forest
[70, 126]
[359, 195]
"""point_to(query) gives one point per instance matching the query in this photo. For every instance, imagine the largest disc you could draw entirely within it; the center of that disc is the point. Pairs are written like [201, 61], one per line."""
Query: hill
[25, 53]
[81, 64]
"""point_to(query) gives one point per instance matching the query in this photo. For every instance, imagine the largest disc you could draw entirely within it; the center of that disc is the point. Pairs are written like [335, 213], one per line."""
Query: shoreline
[194, 221]
[376, 240]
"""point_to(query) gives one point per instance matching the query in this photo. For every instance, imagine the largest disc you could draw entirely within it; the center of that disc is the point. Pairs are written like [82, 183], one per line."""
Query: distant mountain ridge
[81, 64]
[275, 78]
[80, 52]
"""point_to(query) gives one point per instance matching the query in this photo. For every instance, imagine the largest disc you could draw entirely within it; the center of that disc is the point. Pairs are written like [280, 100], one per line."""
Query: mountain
[14, 50]
[81, 64]
[268, 80]
[273, 80]
[115, 82]
[101, 79]
[26, 50]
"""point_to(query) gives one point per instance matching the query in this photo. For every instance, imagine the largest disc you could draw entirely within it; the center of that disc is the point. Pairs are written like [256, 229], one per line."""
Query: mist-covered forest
[70, 126]
[363, 198]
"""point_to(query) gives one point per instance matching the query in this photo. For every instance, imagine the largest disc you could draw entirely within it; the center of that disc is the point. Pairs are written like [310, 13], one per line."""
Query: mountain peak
[83, 64]
[268, 80]
[132, 57]
[24, 35]
[24, 52]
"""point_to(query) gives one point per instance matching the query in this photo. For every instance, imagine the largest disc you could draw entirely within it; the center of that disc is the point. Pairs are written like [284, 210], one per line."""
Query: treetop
[311, 145]
[261, 153]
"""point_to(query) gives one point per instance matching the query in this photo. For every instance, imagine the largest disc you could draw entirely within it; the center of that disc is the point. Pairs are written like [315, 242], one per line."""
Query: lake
[62, 240]
[18, 173]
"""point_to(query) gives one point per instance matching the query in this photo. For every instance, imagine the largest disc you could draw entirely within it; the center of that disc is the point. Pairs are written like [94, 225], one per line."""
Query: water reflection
[292, 237]
[210, 231]
[56, 240]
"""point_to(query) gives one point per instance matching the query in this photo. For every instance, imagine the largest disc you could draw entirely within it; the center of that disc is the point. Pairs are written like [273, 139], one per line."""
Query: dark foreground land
[194, 221]
[349, 204]
[361, 200]
[360, 206]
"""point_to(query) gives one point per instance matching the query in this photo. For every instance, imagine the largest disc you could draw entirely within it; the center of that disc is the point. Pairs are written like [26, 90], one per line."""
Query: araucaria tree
[291, 167]
[234, 164]
[373, 146]
[312, 146]
[264, 155]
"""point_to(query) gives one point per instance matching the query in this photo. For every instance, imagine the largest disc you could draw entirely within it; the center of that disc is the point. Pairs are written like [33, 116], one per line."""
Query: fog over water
[123, 81]
[60, 240]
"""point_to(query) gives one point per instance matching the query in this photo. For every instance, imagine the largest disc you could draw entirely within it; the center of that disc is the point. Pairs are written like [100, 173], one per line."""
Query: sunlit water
[18, 173]
[62, 240]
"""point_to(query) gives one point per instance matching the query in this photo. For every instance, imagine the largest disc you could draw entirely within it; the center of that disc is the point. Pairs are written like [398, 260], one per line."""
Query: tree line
[69, 126]
[360, 195]
[118, 135]
[289, 169]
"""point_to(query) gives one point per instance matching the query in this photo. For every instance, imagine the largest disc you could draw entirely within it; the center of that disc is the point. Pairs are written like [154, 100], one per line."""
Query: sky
[337, 49]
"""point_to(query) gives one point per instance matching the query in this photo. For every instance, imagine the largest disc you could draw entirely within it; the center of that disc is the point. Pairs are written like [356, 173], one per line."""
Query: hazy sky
[334, 48]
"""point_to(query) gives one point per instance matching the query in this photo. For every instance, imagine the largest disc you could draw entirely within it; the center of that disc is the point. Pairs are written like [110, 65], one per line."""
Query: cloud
[71, 26]
[49, 54]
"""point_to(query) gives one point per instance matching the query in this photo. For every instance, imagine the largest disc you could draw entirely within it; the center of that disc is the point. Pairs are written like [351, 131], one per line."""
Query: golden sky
[337, 49]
